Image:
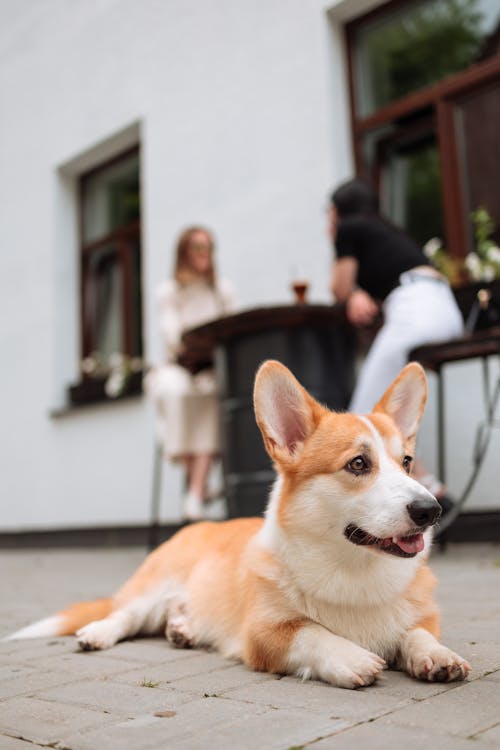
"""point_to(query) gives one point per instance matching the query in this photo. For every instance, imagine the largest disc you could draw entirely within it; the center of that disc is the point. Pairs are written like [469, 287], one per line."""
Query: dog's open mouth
[401, 546]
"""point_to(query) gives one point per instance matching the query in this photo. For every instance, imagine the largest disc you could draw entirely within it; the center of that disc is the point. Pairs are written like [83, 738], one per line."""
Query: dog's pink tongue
[411, 544]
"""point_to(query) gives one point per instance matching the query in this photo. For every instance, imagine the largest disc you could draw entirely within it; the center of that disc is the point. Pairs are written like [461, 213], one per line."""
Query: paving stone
[37, 647]
[121, 700]
[45, 722]
[11, 743]
[221, 681]
[483, 658]
[189, 723]
[490, 736]
[484, 631]
[401, 685]
[19, 678]
[50, 692]
[155, 650]
[273, 730]
[492, 676]
[198, 663]
[381, 735]
[466, 710]
[319, 697]
[82, 663]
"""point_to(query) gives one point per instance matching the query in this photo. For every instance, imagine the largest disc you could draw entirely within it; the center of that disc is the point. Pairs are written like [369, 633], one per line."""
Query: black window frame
[127, 246]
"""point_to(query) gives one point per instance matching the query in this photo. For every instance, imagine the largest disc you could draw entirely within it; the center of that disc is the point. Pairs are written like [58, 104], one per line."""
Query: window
[425, 103]
[111, 306]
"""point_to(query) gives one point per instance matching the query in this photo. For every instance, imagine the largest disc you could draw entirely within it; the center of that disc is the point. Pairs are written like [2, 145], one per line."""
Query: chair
[483, 345]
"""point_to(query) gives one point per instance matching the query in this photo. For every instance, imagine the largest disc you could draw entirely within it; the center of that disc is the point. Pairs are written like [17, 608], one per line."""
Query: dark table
[314, 341]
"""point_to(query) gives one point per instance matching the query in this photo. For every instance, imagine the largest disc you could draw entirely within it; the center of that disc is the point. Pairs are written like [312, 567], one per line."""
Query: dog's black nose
[424, 512]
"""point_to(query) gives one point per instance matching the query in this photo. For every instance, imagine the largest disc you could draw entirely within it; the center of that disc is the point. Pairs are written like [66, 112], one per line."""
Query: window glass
[413, 189]
[420, 44]
[111, 301]
[136, 300]
[403, 161]
[104, 301]
[111, 198]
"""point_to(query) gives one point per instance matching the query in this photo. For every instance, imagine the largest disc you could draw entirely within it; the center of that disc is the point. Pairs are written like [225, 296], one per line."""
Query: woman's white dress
[186, 404]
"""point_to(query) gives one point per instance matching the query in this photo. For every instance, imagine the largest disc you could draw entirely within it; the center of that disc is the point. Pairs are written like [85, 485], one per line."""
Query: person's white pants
[419, 311]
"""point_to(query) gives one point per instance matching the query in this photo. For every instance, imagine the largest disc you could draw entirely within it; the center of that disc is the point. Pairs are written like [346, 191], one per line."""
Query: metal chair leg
[155, 496]
[442, 539]
[441, 428]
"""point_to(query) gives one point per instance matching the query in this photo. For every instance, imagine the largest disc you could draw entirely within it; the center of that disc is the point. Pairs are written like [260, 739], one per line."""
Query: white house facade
[242, 119]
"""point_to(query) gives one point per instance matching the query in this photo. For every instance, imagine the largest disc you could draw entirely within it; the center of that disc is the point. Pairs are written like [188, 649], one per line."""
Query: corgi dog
[332, 584]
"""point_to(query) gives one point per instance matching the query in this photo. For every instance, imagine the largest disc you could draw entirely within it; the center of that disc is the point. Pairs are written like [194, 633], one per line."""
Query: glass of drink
[299, 288]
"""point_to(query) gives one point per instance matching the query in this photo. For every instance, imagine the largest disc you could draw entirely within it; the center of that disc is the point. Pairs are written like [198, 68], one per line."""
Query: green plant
[116, 369]
[482, 264]
[149, 683]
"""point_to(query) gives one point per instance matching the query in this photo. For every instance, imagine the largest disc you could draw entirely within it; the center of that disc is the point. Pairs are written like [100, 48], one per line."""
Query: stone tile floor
[143, 694]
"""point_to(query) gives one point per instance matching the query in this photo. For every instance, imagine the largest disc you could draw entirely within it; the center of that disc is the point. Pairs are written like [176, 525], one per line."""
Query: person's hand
[194, 362]
[361, 309]
[188, 360]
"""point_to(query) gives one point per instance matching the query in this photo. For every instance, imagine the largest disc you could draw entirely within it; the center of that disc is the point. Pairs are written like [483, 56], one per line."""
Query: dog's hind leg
[144, 615]
[105, 633]
[179, 631]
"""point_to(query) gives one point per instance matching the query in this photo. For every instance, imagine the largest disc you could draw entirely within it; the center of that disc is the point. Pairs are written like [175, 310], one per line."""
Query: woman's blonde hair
[183, 271]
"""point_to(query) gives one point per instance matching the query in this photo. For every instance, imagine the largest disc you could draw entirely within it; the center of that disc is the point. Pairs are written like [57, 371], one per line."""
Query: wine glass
[299, 285]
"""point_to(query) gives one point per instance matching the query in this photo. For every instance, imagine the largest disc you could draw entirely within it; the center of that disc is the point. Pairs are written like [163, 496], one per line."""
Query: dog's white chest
[376, 628]
[368, 610]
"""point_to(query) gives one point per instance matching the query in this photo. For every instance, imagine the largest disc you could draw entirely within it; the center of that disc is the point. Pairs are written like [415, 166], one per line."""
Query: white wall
[241, 112]
[233, 105]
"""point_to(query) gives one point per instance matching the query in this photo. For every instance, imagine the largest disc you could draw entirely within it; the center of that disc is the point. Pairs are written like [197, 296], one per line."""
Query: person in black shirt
[379, 269]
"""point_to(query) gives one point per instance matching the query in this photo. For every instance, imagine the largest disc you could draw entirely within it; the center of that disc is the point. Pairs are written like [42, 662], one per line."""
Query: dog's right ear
[285, 412]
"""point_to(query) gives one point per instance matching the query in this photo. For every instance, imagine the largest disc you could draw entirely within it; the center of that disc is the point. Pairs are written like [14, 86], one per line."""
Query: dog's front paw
[360, 671]
[438, 664]
[317, 653]
[352, 667]
[97, 635]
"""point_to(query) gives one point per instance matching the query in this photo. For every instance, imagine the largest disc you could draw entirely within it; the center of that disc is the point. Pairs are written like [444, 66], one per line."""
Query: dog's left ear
[404, 400]
[286, 414]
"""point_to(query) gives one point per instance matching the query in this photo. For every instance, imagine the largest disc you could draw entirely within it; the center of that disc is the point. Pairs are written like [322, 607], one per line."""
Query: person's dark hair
[355, 197]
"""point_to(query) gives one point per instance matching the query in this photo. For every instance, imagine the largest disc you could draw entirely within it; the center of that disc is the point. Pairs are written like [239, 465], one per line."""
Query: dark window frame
[127, 241]
[440, 97]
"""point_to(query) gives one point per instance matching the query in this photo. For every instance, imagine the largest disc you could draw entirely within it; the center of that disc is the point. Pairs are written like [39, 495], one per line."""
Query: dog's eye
[407, 461]
[358, 465]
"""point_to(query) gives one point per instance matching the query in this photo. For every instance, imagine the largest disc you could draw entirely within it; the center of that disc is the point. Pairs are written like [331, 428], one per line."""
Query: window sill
[91, 392]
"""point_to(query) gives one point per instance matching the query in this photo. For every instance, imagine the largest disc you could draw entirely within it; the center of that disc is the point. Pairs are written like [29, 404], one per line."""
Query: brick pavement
[143, 694]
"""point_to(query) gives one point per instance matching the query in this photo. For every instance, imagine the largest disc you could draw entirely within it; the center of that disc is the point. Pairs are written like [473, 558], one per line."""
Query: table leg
[441, 427]
[155, 496]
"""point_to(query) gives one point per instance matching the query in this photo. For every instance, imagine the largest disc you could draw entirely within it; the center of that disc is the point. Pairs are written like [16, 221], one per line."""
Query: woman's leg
[199, 468]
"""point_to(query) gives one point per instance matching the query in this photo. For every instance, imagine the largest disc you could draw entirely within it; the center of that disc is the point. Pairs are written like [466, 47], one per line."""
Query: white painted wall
[241, 112]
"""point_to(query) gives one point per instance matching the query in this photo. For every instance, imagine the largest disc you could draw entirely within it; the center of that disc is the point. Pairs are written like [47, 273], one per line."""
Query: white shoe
[193, 509]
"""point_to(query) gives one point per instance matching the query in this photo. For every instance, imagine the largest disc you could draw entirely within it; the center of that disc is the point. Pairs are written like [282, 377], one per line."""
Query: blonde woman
[185, 396]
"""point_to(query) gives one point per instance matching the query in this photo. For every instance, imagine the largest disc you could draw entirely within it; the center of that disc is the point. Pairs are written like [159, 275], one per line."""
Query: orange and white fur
[332, 585]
